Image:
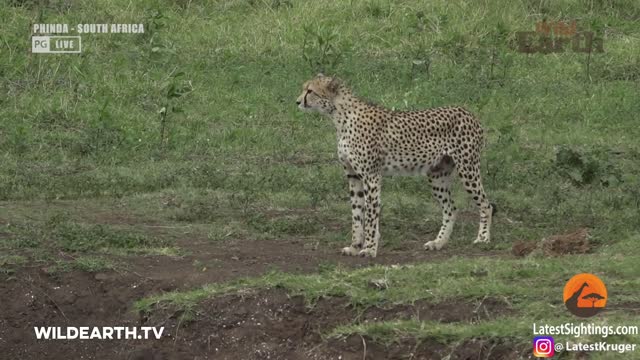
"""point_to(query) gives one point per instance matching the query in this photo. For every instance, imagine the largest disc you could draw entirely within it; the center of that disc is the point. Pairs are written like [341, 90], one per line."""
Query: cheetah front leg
[372, 188]
[356, 191]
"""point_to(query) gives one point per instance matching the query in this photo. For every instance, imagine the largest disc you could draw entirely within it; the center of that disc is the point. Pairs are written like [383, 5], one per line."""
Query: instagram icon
[543, 347]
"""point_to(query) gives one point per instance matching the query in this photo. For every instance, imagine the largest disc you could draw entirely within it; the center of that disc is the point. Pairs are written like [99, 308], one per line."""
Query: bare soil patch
[33, 296]
[273, 325]
[209, 262]
[576, 242]
[267, 324]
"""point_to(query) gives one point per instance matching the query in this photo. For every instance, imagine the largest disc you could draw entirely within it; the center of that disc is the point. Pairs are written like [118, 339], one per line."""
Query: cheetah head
[318, 94]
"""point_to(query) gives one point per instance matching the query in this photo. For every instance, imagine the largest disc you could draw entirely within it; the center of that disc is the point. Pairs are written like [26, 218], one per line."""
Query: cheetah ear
[320, 75]
[334, 85]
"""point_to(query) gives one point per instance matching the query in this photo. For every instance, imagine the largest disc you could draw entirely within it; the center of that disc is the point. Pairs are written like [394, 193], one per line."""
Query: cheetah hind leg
[441, 181]
[473, 185]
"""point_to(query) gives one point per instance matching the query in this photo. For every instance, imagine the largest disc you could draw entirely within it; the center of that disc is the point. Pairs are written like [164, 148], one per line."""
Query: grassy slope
[87, 127]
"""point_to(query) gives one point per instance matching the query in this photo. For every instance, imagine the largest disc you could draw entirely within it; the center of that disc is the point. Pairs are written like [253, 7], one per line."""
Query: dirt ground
[263, 325]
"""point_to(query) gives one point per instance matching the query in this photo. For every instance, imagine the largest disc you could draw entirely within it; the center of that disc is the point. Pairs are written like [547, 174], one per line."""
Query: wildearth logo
[585, 295]
[555, 37]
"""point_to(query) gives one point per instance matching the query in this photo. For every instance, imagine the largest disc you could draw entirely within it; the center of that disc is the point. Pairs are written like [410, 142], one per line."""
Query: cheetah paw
[367, 253]
[480, 240]
[350, 251]
[433, 245]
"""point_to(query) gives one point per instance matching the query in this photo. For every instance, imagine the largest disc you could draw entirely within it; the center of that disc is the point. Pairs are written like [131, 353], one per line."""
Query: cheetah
[374, 141]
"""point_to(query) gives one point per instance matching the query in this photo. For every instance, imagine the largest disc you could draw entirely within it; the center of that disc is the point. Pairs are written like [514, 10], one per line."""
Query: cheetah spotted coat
[374, 141]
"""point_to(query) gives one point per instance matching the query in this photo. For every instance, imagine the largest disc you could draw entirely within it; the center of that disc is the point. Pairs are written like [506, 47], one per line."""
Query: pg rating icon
[56, 44]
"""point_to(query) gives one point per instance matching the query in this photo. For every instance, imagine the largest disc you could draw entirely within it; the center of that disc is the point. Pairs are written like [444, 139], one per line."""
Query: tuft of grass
[93, 264]
[90, 264]
[170, 251]
[8, 263]
[388, 332]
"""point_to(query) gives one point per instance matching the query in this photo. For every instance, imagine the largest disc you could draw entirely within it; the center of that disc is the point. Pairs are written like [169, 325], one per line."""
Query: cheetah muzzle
[374, 141]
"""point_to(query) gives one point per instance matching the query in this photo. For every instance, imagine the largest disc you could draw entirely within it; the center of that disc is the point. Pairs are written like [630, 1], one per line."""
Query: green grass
[69, 244]
[97, 138]
[231, 157]
[8, 263]
[58, 232]
[528, 282]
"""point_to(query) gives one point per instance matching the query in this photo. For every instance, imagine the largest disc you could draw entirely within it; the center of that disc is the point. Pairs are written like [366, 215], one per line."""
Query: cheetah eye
[309, 91]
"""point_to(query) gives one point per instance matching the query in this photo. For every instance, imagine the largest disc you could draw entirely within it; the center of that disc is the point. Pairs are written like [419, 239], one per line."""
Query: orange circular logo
[585, 295]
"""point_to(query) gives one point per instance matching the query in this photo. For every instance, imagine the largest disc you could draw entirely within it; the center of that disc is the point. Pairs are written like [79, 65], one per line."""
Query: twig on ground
[48, 297]
[364, 348]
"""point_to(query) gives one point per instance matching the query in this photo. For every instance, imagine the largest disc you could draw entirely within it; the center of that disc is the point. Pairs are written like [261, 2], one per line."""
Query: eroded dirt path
[209, 262]
[35, 297]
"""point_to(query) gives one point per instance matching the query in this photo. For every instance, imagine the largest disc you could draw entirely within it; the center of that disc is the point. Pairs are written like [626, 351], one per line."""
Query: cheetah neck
[343, 116]
[349, 110]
